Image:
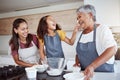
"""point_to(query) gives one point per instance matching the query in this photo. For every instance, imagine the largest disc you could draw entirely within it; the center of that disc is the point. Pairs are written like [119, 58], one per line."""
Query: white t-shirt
[104, 40]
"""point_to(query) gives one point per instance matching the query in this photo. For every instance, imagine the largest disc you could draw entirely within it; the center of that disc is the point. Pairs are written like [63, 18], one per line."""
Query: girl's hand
[77, 28]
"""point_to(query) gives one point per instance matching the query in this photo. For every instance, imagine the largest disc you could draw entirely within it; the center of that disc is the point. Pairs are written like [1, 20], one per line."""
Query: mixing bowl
[55, 66]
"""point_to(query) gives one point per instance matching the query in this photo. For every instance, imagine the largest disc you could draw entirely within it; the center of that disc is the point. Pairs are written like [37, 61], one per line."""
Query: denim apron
[53, 46]
[87, 53]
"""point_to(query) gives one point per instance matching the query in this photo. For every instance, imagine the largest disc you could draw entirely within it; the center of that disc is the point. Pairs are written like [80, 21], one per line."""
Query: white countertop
[97, 76]
[106, 76]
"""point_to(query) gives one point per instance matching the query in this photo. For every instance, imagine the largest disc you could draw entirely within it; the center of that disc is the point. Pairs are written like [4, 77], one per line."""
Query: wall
[107, 11]
[4, 44]
[66, 19]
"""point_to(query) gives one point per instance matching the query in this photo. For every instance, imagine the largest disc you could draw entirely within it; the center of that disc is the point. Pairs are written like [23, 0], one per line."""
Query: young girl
[24, 46]
[50, 35]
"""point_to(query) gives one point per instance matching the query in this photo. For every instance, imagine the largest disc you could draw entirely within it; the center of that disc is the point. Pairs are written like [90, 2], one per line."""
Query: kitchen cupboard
[67, 20]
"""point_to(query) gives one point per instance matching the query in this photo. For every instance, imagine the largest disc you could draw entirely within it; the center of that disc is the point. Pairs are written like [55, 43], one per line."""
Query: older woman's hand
[89, 72]
[76, 64]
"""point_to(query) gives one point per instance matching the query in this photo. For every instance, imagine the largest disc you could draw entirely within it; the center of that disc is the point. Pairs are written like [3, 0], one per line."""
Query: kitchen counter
[97, 76]
[106, 76]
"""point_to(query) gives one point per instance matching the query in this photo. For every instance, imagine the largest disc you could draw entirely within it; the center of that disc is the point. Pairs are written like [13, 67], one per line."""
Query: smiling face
[51, 23]
[22, 30]
[84, 20]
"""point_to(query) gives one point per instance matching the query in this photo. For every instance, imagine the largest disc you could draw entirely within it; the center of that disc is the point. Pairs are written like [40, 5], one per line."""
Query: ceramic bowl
[54, 72]
[41, 68]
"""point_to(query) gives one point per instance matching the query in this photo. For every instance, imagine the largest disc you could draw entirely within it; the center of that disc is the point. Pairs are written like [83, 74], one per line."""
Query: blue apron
[53, 46]
[87, 53]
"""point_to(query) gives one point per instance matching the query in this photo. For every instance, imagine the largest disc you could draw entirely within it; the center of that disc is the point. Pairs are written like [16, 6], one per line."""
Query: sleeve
[62, 34]
[35, 40]
[105, 40]
[108, 39]
[12, 52]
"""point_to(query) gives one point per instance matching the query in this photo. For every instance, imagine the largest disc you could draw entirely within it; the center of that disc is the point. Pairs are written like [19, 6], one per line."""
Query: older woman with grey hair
[96, 46]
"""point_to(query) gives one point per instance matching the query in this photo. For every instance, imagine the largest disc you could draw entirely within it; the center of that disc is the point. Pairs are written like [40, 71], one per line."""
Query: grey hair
[88, 9]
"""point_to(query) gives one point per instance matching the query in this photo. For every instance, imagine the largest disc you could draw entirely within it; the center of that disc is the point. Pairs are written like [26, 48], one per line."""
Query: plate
[74, 76]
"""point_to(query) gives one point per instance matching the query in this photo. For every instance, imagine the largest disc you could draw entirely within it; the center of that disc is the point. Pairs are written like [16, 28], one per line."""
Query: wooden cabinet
[5, 26]
[67, 20]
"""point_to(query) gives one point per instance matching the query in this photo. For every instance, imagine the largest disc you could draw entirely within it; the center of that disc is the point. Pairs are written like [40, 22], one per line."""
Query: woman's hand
[89, 72]
[76, 64]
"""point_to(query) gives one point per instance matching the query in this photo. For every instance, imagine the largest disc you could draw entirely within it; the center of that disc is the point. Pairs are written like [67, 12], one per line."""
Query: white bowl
[74, 76]
[76, 69]
[54, 72]
[41, 68]
[56, 66]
